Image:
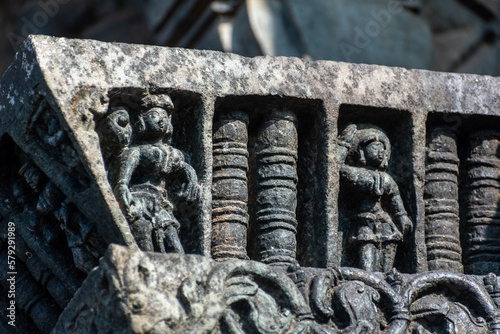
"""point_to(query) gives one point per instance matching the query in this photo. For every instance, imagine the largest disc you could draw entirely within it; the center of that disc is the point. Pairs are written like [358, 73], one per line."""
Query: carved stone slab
[352, 198]
[138, 292]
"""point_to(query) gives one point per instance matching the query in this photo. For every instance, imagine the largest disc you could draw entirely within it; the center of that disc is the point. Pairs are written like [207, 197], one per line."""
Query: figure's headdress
[365, 134]
[157, 100]
[148, 103]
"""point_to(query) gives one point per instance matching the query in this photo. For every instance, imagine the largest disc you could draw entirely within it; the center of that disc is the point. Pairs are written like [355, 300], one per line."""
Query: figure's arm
[344, 143]
[349, 173]
[190, 190]
[396, 208]
[129, 160]
[354, 176]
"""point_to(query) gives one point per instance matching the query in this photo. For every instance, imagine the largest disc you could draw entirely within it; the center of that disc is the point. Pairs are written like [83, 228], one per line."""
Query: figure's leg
[388, 255]
[141, 230]
[159, 240]
[172, 239]
[168, 226]
[368, 258]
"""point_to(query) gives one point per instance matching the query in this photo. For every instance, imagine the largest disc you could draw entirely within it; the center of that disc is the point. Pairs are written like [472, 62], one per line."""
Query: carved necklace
[378, 186]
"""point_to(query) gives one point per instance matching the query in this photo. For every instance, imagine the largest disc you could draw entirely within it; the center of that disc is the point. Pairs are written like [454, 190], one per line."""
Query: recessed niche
[186, 136]
[397, 124]
[477, 141]
[308, 117]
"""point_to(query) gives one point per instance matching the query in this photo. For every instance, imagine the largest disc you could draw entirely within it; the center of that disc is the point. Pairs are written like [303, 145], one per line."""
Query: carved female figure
[379, 219]
[144, 171]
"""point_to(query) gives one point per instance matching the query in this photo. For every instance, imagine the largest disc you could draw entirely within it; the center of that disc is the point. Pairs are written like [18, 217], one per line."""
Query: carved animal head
[150, 308]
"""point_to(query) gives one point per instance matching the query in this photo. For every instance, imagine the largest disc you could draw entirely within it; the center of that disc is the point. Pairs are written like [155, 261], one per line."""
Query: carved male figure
[379, 219]
[142, 174]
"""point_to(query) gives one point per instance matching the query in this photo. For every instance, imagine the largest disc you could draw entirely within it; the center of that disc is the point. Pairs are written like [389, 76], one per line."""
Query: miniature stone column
[442, 236]
[276, 188]
[481, 213]
[229, 187]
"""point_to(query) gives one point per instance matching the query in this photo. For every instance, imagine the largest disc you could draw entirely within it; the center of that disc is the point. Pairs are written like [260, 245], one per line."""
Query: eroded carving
[254, 142]
[40, 272]
[196, 295]
[46, 127]
[481, 215]
[31, 297]
[442, 235]
[443, 302]
[229, 187]
[346, 306]
[51, 204]
[432, 314]
[46, 269]
[492, 285]
[173, 293]
[276, 188]
[146, 171]
[378, 218]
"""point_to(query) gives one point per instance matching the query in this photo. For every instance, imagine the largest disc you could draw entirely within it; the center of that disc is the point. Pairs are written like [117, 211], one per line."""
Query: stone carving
[276, 198]
[47, 198]
[480, 214]
[144, 168]
[443, 302]
[82, 238]
[435, 315]
[349, 306]
[46, 258]
[268, 178]
[193, 296]
[229, 187]
[85, 243]
[47, 129]
[379, 220]
[492, 285]
[442, 236]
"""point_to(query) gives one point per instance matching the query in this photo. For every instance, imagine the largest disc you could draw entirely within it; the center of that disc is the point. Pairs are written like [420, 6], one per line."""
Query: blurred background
[441, 35]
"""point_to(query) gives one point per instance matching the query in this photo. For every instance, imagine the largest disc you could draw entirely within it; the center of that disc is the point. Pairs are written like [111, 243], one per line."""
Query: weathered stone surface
[135, 292]
[246, 160]
[444, 251]
[377, 221]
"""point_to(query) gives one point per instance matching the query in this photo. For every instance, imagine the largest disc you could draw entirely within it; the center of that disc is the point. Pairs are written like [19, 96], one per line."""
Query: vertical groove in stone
[442, 223]
[276, 188]
[229, 187]
[481, 214]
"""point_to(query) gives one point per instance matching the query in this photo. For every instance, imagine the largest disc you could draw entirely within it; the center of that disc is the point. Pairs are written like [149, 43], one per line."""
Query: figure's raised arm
[344, 142]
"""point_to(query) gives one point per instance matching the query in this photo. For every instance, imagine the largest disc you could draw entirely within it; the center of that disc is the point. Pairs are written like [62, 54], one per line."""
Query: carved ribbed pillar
[442, 236]
[229, 187]
[481, 214]
[276, 188]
